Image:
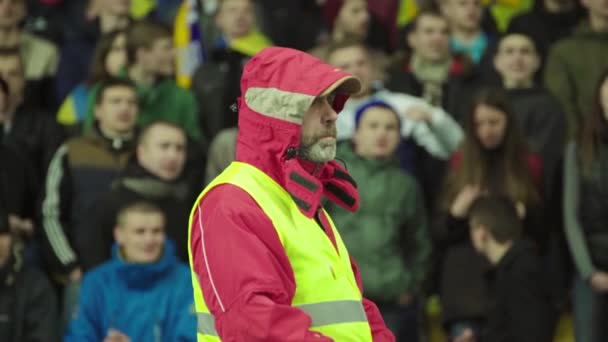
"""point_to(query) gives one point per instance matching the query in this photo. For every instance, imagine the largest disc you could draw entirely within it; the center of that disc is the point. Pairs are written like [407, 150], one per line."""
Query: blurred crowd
[115, 114]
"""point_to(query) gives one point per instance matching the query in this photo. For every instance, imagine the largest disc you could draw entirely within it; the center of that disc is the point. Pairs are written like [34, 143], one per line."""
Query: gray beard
[318, 152]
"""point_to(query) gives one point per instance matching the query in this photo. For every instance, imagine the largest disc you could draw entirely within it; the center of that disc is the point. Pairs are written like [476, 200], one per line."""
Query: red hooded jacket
[245, 275]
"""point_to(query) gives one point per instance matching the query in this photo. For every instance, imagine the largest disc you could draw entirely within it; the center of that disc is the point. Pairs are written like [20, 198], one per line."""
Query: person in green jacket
[150, 62]
[576, 62]
[388, 237]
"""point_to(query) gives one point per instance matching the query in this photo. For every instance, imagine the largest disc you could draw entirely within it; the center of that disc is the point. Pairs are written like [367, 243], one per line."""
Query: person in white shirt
[430, 127]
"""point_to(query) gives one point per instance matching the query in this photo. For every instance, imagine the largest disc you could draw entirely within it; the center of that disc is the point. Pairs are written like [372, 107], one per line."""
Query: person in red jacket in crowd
[258, 283]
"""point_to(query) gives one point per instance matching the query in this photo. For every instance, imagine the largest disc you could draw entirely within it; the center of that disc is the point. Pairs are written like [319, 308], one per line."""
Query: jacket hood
[584, 30]
[145, 275]
[141, 181]
[278, 86]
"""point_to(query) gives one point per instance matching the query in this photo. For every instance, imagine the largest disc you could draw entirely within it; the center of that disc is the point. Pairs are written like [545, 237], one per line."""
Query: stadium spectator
[28, 304]
[30, 131]
[493, 160]
[586, 218]
[217, 82]
[143, 294]
[388, 235]
[93, 19]
[576, 62]
[150, 58]
[83, 168]
[156, 175]
[40, 56]
[539, 114]
[108, 60]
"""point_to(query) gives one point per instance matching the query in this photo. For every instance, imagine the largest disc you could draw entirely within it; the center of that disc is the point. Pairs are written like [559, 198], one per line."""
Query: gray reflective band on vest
[206, 324]
[334, 312]
[325, 313]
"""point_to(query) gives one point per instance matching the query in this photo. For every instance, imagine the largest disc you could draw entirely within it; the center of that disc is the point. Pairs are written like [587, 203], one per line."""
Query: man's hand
[21, 226]
[418, 114]
[599, 281]
[116, 336]
[462, 203]
[466, 336]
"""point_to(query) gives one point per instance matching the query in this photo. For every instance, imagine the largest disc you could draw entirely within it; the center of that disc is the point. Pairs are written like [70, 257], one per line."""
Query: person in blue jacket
[143, 293]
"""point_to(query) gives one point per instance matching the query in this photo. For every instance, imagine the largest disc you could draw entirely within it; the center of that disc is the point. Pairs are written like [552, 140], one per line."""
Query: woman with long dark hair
[108, 60]
[586, 219]
[493, 160]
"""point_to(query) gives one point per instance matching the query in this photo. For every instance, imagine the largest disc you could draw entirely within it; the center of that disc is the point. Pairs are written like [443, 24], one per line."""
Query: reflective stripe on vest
[335, 312]
[326, 288]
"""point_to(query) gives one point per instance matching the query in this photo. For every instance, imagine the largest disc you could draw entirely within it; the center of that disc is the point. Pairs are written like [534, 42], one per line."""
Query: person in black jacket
[17, 183]
[85, 22]
[83, 168]
[431, 71]
[521, 308]
[28, 305]
[539, 114]
[157, 174]
[548, 22]
[216, 83]
[17, 192]
[29, 130]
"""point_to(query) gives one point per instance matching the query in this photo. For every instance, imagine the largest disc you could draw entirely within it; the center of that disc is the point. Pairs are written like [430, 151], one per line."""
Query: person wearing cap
[267, 262]
[388, 236]
[28, 305]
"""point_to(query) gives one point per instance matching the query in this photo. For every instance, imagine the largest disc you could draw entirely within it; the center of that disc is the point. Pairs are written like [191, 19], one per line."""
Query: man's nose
[329, 114]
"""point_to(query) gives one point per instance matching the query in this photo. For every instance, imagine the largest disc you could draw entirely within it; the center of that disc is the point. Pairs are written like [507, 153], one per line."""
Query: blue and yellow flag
[190, 51]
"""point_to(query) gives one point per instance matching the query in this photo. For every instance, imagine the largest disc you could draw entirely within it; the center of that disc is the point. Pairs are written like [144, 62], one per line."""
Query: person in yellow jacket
[267, 262]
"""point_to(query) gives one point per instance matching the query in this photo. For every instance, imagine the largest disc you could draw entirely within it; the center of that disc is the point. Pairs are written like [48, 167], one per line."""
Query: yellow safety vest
[326, 288]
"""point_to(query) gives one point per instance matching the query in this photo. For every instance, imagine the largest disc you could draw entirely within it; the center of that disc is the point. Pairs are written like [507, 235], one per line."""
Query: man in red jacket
[246, 270]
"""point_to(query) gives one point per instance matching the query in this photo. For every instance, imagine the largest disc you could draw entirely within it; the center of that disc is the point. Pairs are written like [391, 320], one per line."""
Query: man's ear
[118, 234]
[139, 150]
[355, 137]
[96, 111]
[411, 39]
[485, 235]
[536, 64]
[496, 62]
[142, 51]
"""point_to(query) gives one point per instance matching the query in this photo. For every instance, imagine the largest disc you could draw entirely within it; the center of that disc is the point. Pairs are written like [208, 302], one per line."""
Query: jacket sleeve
[527, 311]
[441, 136]
[415, 235]
[380, 332]
[181, 323]
[41, 310]
[98, 242]
[446, 129]
[221, 153]
[574, 231]
[54, 136]
[549, 131]
[190, 117]
[55, 211]
[244, 273]
[84, 327]
[71, 69]
[559, 81]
